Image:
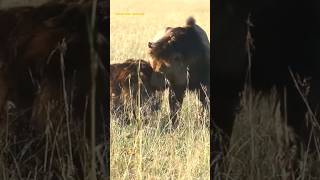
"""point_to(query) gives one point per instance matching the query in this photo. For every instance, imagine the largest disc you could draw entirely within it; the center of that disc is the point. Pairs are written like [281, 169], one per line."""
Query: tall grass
[273, 153]
[60, 147]
[152, 151]
[134, 23]
[262, 145]
[155, 152]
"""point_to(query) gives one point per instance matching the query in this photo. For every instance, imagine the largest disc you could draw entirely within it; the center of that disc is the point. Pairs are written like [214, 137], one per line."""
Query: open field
[260, 146]
[151, 152]
[134, 23]
[257, 150]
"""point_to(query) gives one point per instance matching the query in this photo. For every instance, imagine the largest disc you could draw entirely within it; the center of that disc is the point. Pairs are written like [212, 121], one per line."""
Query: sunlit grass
[154, 152]
[130, 34]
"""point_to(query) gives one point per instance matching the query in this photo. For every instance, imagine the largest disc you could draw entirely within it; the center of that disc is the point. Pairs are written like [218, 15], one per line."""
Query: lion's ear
[190, 21]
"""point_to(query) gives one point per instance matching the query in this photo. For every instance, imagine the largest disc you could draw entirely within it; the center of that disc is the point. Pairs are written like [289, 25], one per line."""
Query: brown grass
[52, 153]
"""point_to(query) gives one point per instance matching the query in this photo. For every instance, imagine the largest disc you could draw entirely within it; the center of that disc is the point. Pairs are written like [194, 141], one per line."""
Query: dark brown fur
[182, 54]
[124, 84]
[45, 57]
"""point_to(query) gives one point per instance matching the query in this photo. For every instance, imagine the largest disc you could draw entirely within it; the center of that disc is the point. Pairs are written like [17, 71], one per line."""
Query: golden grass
[134, 23]
[260, 146]
[152, 152]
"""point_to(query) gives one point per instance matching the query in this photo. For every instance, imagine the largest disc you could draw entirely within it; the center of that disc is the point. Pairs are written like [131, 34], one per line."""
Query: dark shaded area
[285, 36]
[46, 63]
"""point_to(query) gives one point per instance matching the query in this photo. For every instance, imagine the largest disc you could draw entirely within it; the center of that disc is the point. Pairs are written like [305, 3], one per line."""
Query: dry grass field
[260, 147]
[257, 151]
[150, 151]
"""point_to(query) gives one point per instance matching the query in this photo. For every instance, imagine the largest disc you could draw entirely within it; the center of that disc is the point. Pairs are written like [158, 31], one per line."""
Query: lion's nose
[150, 44]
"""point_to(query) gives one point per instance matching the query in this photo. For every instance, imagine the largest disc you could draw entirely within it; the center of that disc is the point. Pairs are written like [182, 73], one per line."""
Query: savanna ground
[150, 151]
